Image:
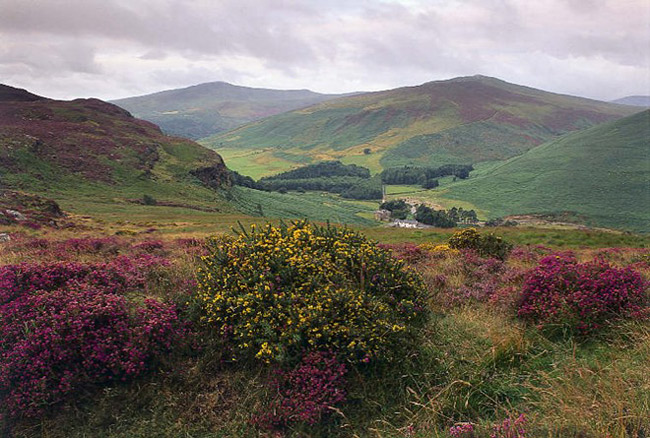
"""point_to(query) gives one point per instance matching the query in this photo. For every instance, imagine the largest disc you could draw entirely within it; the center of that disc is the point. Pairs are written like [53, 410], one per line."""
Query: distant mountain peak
[212, 107]
[642, 101]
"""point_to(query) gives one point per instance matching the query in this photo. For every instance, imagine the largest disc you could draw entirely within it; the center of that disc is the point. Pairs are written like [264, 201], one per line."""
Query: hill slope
[91, 149]
[643, 101]
[602, 173]
[459, 121]
[206, 109]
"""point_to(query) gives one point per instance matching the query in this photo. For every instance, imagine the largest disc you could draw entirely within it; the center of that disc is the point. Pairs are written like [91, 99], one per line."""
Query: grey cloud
[325, 45]
[51, 58]
[205, 27]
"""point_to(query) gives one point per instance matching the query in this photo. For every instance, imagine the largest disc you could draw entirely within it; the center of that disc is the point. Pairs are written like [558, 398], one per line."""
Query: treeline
[445, 218]
[333, 184]
[349, 181]
[426, 177]
[399, 209]
[319, 170]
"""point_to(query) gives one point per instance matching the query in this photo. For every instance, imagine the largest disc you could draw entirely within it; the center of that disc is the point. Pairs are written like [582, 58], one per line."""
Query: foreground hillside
[207, 109]
[459, 121]
[91, 150]
[601, 173]
[112, 336]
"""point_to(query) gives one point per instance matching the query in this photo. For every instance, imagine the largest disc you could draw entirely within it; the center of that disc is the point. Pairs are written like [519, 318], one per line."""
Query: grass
[255, 163]
[558, 238]
[477, 364]
[315, 206]
[601, 173]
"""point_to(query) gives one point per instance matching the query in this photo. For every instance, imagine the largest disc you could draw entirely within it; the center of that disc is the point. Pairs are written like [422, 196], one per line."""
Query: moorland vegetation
[307, 330]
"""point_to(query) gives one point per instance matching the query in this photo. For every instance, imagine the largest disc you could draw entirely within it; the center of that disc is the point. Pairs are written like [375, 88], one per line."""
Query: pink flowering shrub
[66, 326]
[89, 245]
[306, 393]
[580, 296]
[462, 431]
[150, 246]
[409, 252]
[68, 249]
[510, 428]
[115, 276]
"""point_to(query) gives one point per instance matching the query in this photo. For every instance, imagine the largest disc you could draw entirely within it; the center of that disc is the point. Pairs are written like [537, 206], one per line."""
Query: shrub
[407, 251]
[562, 292]
[149, 200]
[486, 245]
[462, 431]
[66, 326]
[510, 428]
[150, 246]
[278, 291]
[306, 393]
[438, 249]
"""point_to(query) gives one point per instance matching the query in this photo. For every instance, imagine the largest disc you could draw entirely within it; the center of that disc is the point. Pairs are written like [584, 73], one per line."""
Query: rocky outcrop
[215, 176]
[25, 209]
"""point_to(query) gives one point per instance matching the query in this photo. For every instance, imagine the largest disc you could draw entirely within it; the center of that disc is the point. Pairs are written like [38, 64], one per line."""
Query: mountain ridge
[208, 108]
[456, 121]
[642, 101]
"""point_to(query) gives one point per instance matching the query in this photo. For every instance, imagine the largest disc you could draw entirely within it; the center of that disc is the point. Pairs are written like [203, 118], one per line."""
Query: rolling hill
[210, 108]
[643, 101]
[602, 173]
[93, 150]
[459, 121]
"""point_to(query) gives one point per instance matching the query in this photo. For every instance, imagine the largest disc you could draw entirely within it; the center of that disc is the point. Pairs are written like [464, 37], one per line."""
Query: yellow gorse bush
[277, 291]
[438, 248]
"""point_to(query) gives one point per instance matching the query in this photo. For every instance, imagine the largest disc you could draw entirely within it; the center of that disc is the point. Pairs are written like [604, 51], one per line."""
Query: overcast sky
[118, 48]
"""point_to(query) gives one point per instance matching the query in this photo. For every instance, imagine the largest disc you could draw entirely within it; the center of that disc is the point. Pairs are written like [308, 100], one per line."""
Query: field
[477, 363]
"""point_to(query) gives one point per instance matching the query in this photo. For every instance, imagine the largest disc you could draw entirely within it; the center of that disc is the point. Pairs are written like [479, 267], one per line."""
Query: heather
[110, 354]
[67, 326]
[562, 293]
[305, 394]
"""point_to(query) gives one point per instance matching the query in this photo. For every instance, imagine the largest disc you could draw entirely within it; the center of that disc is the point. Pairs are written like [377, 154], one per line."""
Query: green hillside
[206, 109]
[90, 150]
[94, 158]
[602, 173]
[459, 121]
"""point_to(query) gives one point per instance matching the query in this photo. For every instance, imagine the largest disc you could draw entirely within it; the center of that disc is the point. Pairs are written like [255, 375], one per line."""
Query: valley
[150, 286]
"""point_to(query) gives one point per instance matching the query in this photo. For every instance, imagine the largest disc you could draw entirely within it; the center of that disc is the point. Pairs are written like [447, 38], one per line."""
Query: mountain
[206, 109]
[643, 101]
[89, 149]
[602, 173]
[459, 121]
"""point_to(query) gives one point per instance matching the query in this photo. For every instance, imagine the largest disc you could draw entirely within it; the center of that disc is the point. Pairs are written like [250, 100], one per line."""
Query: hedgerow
[276, 292]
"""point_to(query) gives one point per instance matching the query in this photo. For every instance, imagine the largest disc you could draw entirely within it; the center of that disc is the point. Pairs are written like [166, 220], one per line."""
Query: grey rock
[16, 215]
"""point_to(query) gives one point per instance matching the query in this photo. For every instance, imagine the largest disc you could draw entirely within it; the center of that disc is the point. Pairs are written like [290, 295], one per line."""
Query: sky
[111, 49]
